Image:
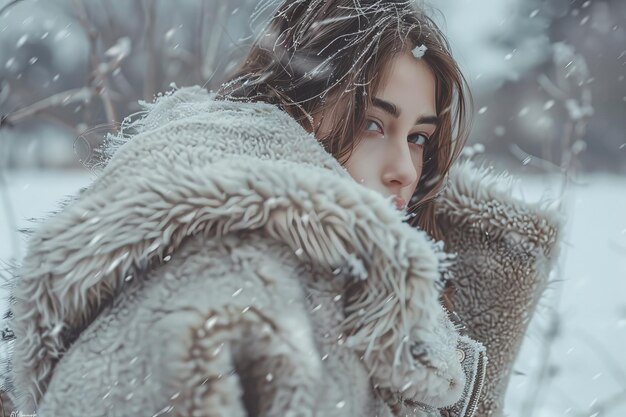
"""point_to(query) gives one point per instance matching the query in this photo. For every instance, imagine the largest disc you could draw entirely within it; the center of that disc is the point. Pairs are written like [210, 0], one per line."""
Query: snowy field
[587, 363]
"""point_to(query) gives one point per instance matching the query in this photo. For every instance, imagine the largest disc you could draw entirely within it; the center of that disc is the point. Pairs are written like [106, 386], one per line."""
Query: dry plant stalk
[103, 72]
[572, 91]
[98, 78]
[60, 99]
[97, 86]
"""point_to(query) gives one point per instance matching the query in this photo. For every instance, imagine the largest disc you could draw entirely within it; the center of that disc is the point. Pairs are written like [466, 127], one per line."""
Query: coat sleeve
[505, 251]
[215, 330]
[243, 345]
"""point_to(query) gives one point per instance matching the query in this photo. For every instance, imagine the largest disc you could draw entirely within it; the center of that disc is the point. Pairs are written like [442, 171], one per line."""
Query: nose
[400, 170]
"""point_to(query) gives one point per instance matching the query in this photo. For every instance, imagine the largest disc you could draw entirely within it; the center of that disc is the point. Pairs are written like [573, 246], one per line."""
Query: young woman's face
[389, 155]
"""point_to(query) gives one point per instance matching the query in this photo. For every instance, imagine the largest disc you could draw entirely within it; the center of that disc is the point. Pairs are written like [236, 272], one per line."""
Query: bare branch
[550, 88]
[149, 86]
[99, 83]
[8, 6]
[210, 54]
[110, 20]
[83, 94]
[5, 90]
[530, 159]
[10, 213]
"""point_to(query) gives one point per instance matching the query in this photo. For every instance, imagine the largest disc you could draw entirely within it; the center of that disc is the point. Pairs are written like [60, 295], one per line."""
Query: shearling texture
[505, 250]
[224, 264]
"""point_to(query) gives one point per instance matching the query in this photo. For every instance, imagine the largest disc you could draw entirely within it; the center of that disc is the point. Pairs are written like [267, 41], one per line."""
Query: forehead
[410, 84]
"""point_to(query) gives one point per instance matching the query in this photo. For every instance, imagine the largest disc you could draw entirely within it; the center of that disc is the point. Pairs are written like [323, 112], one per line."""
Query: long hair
[317, 53]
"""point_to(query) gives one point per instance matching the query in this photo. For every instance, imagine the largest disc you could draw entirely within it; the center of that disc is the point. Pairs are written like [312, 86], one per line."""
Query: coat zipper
[481, 369]
[478, 386]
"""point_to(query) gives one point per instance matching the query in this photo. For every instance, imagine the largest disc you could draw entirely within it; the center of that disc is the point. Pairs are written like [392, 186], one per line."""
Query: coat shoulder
[195, 316]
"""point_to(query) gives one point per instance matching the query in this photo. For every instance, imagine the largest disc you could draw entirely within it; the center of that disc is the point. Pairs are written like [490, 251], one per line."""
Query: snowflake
[419, 51]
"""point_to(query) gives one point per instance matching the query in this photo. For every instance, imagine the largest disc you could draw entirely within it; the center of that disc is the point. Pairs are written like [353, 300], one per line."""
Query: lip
[399, 202]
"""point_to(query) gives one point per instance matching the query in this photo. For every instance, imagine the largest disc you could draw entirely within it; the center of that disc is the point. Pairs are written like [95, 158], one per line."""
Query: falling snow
[504, 48]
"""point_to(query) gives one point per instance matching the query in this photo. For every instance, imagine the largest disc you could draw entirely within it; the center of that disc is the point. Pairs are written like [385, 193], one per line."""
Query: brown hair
[316, 52]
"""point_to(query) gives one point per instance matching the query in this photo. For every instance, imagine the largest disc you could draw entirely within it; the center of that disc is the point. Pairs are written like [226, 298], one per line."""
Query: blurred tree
[73, 68]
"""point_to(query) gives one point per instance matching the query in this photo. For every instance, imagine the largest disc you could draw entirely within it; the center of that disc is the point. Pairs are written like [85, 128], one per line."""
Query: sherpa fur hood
[199, 166]
[254, 168]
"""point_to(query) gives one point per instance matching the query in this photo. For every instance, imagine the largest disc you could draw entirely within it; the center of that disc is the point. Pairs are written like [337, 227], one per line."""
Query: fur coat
[224, 264]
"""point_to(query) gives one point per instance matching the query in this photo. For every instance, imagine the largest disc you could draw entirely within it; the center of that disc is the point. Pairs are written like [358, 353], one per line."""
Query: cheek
[418, 163]
[365, 163]
[362, 164]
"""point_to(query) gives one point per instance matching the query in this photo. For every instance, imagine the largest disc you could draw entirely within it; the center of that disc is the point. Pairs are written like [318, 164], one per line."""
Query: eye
[419, 139]
[373, 125]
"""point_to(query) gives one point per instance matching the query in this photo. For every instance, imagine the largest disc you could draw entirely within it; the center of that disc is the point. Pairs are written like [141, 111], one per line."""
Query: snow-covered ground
[587, 361]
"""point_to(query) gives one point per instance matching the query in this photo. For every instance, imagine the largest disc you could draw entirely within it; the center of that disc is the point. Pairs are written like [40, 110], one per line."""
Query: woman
[241, 256]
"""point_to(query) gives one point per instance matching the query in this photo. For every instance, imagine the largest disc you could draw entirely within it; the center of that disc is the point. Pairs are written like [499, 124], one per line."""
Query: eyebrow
[393, 110]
